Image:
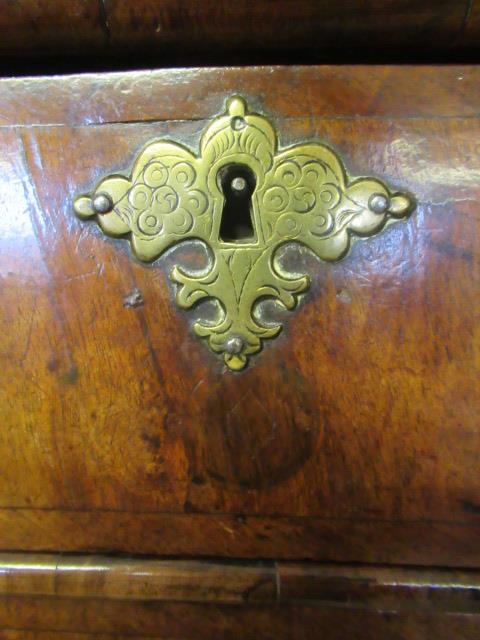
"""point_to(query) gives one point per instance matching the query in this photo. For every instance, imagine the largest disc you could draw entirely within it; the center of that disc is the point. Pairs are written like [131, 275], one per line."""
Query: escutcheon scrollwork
[300, 194]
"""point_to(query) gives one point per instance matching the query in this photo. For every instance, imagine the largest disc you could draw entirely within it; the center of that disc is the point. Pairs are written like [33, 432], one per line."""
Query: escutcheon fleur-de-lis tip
[300, 194]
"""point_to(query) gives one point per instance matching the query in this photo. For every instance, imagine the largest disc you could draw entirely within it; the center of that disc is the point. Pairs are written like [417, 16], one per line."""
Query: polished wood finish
[380, 588]
[353, 437]
[198, 621]
[141, 579]
[469, 38]
[347, 540]
[51, 596]
[284, 26]
[322, 93]
[175, 29]
[35, 26]
[229, 582]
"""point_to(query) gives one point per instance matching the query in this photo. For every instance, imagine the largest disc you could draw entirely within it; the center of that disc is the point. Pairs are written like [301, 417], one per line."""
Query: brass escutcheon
[300, 194]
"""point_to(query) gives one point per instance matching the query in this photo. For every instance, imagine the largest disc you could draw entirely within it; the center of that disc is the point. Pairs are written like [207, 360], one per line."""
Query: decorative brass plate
[300, 194]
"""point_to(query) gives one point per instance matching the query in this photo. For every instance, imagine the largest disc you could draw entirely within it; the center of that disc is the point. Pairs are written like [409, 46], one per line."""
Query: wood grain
[314, 537]
[143, 579]
[240, 583]
[192, 29]
[379, 588]
[288, 26]
[34, 26]
[60, 617]
[320, 92]
[469, 34]
[353, 437]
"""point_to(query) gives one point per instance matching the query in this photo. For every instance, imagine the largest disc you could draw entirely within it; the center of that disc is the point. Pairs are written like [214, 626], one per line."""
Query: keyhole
[237, 183]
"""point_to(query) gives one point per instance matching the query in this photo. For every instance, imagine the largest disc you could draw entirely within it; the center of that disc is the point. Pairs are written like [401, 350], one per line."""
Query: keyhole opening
[237, 183]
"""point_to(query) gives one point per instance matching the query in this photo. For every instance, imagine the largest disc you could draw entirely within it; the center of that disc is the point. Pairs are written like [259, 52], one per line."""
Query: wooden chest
[329, 489]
